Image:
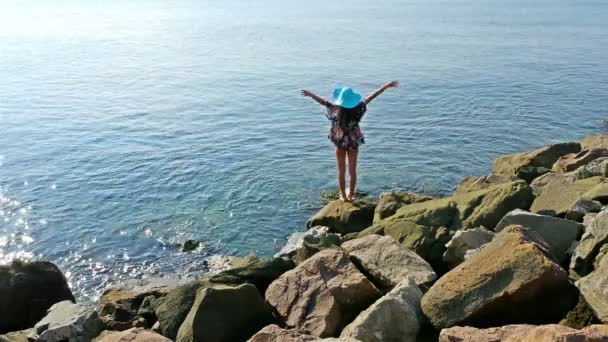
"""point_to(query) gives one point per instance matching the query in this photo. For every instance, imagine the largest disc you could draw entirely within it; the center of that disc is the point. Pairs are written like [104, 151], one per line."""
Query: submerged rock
[225, 313]
[394, 317]
[321, 295]
[67, 321]
[131, 335]
[465, 242]
[390, 202]
[387, 262]
[28, 290]
[594, 289]
[190, 245]
[525, 333]
[595, 236]
[559, 234]
[344, 217]
[511, 280]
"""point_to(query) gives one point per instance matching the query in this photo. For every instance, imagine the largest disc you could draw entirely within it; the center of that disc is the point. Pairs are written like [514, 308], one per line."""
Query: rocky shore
[518, 255]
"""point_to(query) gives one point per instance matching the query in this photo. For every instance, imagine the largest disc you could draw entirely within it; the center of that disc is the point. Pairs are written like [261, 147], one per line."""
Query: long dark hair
[347, 116]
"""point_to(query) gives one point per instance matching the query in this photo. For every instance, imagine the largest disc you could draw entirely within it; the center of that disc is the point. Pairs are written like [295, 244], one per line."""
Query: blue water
[129, 127]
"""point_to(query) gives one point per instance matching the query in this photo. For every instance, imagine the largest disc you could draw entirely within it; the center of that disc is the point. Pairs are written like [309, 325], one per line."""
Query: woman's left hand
[306, 93]
[393, 84]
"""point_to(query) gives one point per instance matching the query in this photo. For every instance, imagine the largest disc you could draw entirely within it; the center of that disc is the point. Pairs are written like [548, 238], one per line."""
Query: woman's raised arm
[318, 99]
[372, 96]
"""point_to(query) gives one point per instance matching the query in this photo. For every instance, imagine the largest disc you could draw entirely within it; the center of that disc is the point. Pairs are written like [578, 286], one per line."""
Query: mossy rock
[580, 316]
[511, 165]
[594, 141]
[344, 217]
[259, 273]
[598, 193]
[560, 194]
[390, 202]
[332, 195]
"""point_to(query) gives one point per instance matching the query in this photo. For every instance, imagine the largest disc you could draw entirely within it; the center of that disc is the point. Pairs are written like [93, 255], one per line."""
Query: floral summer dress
[345, 132]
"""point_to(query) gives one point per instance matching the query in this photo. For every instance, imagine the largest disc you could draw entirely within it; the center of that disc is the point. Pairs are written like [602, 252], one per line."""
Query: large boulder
[510, 165]
[597, 167]
[260, 273]
[511, 280]
[539, 184]
[27, 291]
[594, 289]
[561, 193]
[321, 295]
[224, 313]
[131, 335]
[557, 233]
[274, 333]
[390, 202]
[387, 262]
[573, 161]
[465, 242]
[120, 304]
[526, 333]
[172, 309]
[595, 236]
[312, 245]
[344, 217]
[394, 317]
[426, 241]
[469, 184]
[594, 141]
[67, 321]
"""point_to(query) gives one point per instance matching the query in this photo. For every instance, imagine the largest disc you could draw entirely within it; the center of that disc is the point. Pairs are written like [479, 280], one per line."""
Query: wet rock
[321, 295]
[190, 245]
[386, 262]
[594, 289]
[120, 305]
[27, 291]
[581, 208]
[511, 280]
[560, 194]
[510, 165]
[394, 317]
[594, 141]
[344, 217]
[580, 316]
[559, 234]
[595, 236]
[573, 161]
[464, 242]
[274, 333]
[525, 333]
[67, 321]
[131, 335]
[597, 167]
[172, 309]
[296, 240]
[225, 313]
[259, 273]
[390, 202]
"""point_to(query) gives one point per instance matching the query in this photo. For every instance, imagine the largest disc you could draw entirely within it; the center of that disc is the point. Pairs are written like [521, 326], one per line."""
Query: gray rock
[131, 335]
[67, 321]
[296, 240]
[387, 262]
[394, 317]
[598, 167]
[274, 333]
[595, 236]
[588, 218]
[594, 288]
[16, 336]
[525, 333]
[581, 208]
[464, 242]
[557, 233]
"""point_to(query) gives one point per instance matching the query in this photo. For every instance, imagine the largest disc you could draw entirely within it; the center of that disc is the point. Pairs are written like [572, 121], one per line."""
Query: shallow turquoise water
[128, 128]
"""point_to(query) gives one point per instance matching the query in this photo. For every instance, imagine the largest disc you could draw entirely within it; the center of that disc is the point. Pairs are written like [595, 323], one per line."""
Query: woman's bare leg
[341, 159]
[352, 173]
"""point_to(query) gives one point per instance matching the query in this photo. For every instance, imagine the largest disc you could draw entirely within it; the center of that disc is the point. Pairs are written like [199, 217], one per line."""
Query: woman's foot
[351, 197]
[344, 197]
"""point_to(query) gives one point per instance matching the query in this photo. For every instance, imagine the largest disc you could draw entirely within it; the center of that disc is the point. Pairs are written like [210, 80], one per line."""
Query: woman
[345, 113]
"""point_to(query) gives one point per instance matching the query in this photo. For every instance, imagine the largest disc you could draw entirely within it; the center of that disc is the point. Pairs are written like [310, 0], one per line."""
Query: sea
[129, 127]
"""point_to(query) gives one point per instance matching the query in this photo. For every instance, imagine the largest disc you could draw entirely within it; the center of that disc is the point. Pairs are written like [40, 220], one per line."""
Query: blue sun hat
[346, 97]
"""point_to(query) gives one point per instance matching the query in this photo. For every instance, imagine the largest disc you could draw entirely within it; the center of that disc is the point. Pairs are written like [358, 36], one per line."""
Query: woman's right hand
[393, 84]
